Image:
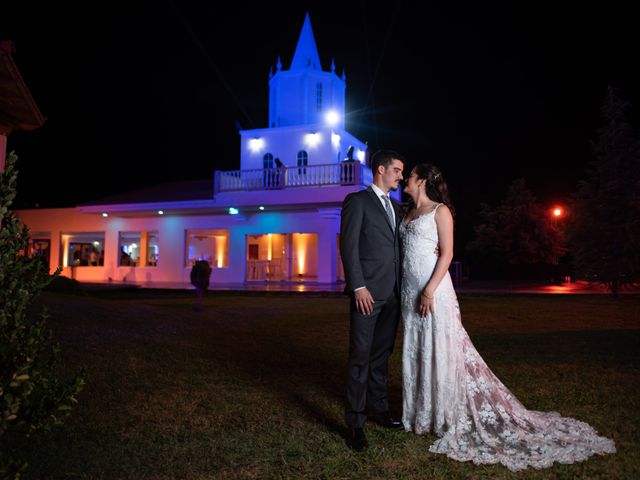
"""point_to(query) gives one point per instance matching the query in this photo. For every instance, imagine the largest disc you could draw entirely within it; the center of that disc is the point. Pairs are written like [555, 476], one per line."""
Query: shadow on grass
[293, 366]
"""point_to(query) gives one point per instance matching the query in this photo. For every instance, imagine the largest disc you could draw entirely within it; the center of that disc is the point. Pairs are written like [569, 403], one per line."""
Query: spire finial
[306, 54]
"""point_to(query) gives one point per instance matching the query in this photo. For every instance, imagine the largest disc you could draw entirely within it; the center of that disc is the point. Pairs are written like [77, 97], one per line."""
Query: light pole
[556, 213]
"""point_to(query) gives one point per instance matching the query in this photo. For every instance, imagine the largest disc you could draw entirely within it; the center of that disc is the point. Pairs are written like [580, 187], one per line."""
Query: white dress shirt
[381, 194]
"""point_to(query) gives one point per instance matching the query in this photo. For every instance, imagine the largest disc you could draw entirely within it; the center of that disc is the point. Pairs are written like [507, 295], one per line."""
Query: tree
[200, 274]
[32, 397]
[518, 238]
[605, 227]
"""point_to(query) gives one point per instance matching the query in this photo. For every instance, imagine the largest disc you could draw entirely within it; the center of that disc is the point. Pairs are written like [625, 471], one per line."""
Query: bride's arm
[444, 223]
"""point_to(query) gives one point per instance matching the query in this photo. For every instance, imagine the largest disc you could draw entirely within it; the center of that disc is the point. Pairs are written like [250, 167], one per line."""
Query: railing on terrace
[345, 173]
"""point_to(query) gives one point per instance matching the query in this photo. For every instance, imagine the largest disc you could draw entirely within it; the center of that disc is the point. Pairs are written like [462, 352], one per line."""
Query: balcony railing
[345, 173]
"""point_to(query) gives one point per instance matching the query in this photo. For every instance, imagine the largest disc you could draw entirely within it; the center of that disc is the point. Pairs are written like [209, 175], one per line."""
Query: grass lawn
[252, 386]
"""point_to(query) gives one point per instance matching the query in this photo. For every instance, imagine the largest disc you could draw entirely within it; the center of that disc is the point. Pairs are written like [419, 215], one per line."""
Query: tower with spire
[305, 93]
[306, 114]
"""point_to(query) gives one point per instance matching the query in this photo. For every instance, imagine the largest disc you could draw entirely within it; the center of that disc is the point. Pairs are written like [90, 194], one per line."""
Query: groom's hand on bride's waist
[364, 301]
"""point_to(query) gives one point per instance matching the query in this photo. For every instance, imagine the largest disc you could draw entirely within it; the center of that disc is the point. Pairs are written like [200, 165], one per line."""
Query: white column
[171, 258]
[111, 251]
[144, 248]
[236, 271]
[326, 256]
[327, 251]
[55, 253]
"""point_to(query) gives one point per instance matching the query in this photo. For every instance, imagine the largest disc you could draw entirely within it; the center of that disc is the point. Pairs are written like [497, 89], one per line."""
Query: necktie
[387, 207]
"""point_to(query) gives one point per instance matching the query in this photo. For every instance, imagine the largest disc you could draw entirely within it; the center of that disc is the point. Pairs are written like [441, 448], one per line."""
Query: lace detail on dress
[448, 388]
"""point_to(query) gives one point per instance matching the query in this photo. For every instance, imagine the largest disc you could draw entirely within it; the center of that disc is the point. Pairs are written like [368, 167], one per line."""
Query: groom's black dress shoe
[357, 440]
[385, 420]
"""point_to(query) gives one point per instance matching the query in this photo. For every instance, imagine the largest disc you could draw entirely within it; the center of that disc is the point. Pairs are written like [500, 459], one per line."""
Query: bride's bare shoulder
[443, 212]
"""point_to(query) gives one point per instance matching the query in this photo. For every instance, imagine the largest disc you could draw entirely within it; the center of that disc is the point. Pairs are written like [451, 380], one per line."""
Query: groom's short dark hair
[384, 158]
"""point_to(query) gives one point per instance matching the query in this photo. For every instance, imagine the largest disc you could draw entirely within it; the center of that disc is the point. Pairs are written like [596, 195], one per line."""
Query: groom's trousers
[371, 340]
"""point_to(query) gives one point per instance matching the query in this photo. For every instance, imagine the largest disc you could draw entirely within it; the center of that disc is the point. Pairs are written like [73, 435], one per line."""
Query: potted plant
[200, 273]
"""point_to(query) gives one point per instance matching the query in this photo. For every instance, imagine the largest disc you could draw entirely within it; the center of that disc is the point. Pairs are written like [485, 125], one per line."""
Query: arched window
[319, 97]
[267, 161]
[303, 160]
[269, 175]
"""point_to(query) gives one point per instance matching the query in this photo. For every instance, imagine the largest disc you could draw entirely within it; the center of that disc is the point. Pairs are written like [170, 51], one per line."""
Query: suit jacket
[369, 246]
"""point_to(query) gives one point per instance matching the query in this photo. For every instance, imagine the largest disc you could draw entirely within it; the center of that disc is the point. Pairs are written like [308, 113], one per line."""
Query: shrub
[32, 397]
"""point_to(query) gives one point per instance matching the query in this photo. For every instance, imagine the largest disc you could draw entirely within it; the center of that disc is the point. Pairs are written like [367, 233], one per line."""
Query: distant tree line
[601, 239]
[517, 239]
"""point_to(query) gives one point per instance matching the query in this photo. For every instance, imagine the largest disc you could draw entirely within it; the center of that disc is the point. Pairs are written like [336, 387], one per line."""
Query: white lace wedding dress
[449, 390]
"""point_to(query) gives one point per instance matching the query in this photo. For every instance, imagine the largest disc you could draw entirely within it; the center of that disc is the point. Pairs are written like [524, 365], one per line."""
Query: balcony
[335, 174]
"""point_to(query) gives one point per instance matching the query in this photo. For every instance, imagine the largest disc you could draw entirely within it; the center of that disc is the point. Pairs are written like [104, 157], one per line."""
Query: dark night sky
[138, 93]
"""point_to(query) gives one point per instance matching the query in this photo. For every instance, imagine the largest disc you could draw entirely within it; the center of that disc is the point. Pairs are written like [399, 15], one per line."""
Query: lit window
[138, 249]
[209, 245]
[40, 248]
[319, 97]
[82, 249]
[153, 249]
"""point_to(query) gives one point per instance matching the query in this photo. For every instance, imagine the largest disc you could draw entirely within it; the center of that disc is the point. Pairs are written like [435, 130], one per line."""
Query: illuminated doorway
[279, 257]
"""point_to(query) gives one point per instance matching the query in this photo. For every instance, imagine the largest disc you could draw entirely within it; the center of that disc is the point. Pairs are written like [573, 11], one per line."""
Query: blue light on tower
[312, 139]
[332, 118]
[256, 144]
[233, 211]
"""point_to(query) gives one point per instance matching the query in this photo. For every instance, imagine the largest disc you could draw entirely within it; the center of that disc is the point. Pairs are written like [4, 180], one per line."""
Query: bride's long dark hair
[435, 186]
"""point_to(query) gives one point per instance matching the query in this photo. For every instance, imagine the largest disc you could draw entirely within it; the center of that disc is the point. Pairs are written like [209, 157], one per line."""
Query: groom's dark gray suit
[369, 246]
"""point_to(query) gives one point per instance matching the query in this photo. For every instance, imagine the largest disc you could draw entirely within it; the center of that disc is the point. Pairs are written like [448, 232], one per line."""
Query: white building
[276, 219]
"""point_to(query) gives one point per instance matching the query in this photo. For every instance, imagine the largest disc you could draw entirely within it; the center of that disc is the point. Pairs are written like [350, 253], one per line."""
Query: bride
[447, 388]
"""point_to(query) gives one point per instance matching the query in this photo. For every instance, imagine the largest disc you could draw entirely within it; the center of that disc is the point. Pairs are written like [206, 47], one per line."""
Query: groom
[369, 246]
